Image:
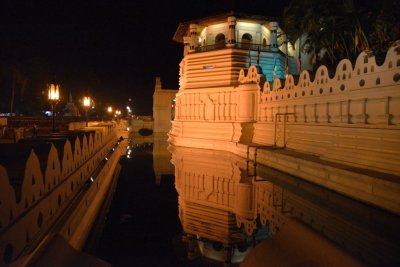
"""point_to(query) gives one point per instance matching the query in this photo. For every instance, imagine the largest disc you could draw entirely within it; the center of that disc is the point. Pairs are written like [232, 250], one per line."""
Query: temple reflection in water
[216, 208]
[225, 211]
[208, 208]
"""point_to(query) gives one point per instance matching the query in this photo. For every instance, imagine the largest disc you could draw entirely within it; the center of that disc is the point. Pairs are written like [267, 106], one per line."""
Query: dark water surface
[143, 226]
[143, 219]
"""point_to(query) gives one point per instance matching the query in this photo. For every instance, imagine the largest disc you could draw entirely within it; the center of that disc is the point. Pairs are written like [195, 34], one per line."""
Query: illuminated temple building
[241, 92]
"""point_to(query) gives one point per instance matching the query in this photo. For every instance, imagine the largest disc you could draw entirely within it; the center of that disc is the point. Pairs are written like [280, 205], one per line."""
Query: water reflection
[142, 227]
[215, 206]
[208, 210]
[225, 211]
[163, 169]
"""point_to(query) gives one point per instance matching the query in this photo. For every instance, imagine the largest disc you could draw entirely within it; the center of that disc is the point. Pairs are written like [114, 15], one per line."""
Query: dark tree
[344, 28]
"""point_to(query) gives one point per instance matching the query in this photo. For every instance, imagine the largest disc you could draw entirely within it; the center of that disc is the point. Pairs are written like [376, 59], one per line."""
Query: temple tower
[217, 47]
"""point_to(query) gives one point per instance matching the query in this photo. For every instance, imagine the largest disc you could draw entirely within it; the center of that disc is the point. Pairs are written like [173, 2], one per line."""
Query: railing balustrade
[246, 46]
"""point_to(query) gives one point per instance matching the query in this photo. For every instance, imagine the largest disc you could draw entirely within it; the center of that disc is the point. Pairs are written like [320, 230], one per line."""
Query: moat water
[145, 227]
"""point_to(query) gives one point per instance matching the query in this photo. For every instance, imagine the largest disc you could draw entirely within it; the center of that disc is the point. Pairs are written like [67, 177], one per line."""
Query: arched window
[247, 39]
[220, 40]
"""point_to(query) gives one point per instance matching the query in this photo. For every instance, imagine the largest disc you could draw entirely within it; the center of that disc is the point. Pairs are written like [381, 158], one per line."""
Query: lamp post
[110, 110]
[54, 97]
[117, 113]
[86, 104]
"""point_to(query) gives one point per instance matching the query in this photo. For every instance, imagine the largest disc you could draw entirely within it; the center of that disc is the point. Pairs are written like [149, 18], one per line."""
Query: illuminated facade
[216, 48]
[340, 131]
[163, 107]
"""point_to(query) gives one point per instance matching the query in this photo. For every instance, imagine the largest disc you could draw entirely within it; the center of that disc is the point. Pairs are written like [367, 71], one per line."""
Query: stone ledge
[374, 187]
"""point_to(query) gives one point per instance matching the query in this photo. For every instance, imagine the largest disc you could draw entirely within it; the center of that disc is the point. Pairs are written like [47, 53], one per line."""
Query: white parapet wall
[40, 180]
[353, 117]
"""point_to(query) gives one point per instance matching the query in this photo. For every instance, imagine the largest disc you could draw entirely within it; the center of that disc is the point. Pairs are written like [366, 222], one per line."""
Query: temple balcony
[237, 45]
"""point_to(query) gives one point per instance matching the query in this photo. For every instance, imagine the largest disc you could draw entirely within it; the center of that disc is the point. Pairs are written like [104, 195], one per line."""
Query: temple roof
[206, 21]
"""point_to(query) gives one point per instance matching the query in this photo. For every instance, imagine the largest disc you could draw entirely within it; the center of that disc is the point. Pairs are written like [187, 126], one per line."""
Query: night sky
[111, 50]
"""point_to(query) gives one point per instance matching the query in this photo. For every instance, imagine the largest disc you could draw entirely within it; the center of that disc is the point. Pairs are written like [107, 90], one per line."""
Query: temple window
[220, 40]
[264, 42]
[246, 40]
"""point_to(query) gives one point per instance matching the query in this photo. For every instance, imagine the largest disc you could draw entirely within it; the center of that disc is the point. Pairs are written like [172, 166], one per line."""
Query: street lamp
[54, 97]
[86, 103]
[117, 113]
[110, 110]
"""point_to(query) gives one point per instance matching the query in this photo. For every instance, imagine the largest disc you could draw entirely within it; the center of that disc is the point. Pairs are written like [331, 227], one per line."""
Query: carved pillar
[186, 43]
[231, 31]
[274, 35]
[193, 37]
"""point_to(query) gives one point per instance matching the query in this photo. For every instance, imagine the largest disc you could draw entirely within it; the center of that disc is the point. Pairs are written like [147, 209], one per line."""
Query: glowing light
[54, 96]
[87, 101]
[248, 25]
[91, 179]
[54, 92]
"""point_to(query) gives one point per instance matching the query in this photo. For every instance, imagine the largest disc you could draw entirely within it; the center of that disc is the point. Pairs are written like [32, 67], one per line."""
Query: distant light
[86, 101]
[106, 158]
[109, 109]
[91, 179]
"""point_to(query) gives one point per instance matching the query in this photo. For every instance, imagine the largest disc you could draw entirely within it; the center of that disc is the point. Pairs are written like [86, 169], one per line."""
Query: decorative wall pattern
[353, 117]
[365, 95]
[40, 178]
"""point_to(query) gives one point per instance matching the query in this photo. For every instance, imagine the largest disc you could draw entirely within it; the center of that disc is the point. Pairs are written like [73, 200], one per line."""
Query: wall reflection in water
[225, 211]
